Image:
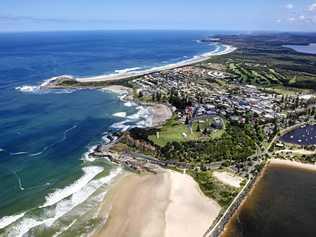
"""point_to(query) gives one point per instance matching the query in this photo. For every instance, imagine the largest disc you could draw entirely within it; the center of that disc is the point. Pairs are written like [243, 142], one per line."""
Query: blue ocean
[48, 185]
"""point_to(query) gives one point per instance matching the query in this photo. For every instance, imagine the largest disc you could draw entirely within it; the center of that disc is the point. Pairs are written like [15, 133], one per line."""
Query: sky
[236, 15]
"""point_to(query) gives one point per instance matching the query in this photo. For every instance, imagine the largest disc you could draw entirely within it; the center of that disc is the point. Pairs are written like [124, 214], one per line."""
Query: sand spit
[293, 164]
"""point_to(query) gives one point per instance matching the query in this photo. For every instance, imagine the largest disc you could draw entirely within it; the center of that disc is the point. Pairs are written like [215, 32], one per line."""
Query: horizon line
[162, 29]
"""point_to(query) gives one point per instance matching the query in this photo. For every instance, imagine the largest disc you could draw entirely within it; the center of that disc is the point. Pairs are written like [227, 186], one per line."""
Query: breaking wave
[59, 203]
[58, 195]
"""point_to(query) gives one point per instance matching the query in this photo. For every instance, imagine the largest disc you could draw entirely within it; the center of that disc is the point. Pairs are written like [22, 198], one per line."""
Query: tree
[198, 129]
[140, 94]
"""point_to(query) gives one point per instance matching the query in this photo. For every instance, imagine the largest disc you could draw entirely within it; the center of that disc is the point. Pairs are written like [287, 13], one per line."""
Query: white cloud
[312, 7]
[289, 6]
[302, 17]
[292, 19]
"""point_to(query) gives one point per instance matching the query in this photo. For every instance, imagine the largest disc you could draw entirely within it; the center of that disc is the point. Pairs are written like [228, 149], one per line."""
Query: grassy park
[176, 131]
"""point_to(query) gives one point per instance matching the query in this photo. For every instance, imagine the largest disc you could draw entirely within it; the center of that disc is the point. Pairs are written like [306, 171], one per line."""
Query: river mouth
[281, 204]
[304, 135]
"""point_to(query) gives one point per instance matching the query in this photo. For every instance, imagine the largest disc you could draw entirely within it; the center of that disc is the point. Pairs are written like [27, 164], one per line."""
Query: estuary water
[48, 186]
[282, 204]
[309, 49]
[305, 135]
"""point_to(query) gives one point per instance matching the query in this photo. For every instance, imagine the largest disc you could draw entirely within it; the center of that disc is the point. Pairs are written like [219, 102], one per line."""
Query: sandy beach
[293, 163]
[160, 113]
[165, 204]
[189, 213]
[228, 178]
[119, 89]
[125, 75]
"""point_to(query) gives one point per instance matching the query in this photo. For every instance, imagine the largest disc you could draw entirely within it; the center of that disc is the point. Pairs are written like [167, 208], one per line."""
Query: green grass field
[174, 130]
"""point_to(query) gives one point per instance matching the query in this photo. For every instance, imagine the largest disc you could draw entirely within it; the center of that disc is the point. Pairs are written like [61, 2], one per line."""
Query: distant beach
[124, 74]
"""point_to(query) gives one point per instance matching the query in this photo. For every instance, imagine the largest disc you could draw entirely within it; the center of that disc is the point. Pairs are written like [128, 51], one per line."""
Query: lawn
[174, 130]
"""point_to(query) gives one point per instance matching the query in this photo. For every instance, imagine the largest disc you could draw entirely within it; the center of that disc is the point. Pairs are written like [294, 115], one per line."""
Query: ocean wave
[64, 206]
[41, 89]
[13, 153]
[89, 173]
[27, 88]
[130, 104]
[8, 220]
[23, 227]
[120, 114]
[81, 195]
[122, 71]
[18, 153]
[142, 113]
[121, 125]
[142, 118]
[86, 156]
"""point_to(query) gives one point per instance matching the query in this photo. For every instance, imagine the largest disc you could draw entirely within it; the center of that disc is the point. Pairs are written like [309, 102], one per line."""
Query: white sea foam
[39, 88]
[81, 195]
[55, 197]
[8, 220]
[63, 206]
[105, 139]
[23, 227]
[120, 114]
[129, 104]
[142, 118]
[86, 156]
[121, 125]
[122, 71]
[27, 88]
[142, 114]
[65, 228]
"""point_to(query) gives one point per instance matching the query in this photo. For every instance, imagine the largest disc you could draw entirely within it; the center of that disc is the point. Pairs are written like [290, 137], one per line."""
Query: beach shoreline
[291, 163]
[126, 75]
[152, 205]
[159, 112]
[85, 82]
